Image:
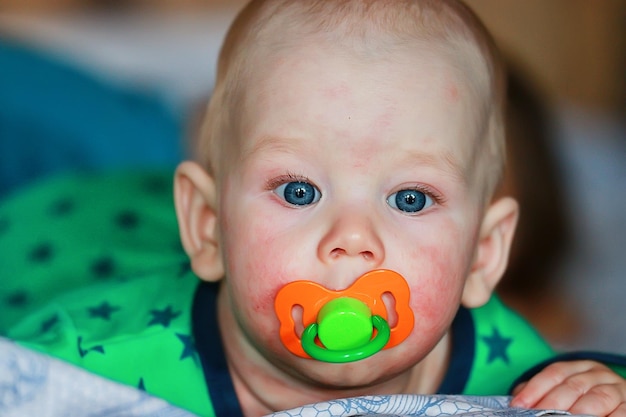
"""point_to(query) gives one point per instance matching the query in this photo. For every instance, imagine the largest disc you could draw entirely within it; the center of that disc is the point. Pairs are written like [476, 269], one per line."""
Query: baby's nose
[352, 235]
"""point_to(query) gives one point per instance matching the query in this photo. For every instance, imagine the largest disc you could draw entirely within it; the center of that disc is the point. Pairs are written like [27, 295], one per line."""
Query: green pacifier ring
[346, 355]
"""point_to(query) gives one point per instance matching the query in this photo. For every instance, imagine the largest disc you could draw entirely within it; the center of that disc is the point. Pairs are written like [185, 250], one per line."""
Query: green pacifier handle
[345, 327]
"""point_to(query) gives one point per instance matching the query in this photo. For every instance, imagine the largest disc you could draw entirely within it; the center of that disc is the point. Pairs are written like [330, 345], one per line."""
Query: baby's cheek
[256, 276]
[436, 290]
[249, 251]
[254, 305]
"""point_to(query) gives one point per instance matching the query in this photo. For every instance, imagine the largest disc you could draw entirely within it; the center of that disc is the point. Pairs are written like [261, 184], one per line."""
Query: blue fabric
[55, 117]
[462, 355]
[209, 346]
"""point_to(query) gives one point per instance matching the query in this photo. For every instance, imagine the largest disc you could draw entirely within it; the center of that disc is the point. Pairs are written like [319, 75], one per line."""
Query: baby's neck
[262, 388]
[261, 394]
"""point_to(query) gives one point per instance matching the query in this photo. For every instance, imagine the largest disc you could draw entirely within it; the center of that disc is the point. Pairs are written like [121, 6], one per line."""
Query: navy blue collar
[206, 334]
[461, 353]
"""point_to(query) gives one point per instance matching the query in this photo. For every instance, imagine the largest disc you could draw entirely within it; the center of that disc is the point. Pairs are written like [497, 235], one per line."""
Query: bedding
[32, 384]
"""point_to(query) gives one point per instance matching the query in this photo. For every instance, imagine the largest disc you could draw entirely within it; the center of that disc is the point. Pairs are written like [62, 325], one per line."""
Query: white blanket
[417, 405]
[32, 384]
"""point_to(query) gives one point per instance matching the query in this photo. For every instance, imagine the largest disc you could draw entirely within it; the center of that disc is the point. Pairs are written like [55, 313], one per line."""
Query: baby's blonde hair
[363, 26]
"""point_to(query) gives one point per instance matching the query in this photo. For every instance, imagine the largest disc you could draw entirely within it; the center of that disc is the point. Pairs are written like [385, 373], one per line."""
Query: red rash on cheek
[340, 91]
[258, 276]
[452, 93]
[437, 283]
[263, 302]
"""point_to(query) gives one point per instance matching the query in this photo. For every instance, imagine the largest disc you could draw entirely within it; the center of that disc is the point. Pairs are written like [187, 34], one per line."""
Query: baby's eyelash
[431, 192]
[282, 179]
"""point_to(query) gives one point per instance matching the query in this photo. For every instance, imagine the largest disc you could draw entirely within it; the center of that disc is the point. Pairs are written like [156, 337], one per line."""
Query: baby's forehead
[311, 62]
[386, 97]
[449, 69]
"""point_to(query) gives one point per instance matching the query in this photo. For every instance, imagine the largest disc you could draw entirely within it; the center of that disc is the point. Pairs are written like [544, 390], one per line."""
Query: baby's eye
[409, 201]
[298, 193]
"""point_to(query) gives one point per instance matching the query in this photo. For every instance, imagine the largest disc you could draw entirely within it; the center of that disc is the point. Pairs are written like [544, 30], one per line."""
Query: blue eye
[298, 193]
[409, 201]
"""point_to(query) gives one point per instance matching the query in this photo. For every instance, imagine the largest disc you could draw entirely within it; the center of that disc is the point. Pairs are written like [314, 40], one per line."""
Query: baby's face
[344, 167]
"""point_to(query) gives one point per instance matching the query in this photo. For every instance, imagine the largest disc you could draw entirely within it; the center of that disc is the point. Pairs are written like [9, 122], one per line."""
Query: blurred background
[95, 84]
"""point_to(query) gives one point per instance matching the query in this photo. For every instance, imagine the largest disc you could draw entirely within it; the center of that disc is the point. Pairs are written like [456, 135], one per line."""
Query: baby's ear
[492, 252]
[195, 196]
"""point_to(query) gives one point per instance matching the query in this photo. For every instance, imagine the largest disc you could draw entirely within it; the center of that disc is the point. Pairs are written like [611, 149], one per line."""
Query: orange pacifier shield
[346, 325]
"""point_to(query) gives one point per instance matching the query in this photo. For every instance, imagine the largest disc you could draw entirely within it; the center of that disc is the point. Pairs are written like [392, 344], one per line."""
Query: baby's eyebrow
[273, 143]
[445, 161]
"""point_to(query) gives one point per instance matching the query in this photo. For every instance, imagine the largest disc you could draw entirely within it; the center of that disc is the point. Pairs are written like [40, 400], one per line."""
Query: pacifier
[345, 325]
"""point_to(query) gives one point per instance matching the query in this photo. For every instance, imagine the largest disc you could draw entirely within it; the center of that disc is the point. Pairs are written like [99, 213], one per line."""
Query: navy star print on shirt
[163, 317]
[498, 346]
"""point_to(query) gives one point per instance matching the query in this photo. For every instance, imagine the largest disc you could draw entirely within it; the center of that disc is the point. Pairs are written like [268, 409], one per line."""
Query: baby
[352, 136]
[342, 219]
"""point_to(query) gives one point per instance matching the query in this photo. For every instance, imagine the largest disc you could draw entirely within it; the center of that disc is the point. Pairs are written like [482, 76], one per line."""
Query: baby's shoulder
[503, 346]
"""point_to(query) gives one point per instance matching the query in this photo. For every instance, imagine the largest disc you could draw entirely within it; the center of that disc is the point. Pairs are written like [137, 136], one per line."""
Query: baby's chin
[360, 375]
